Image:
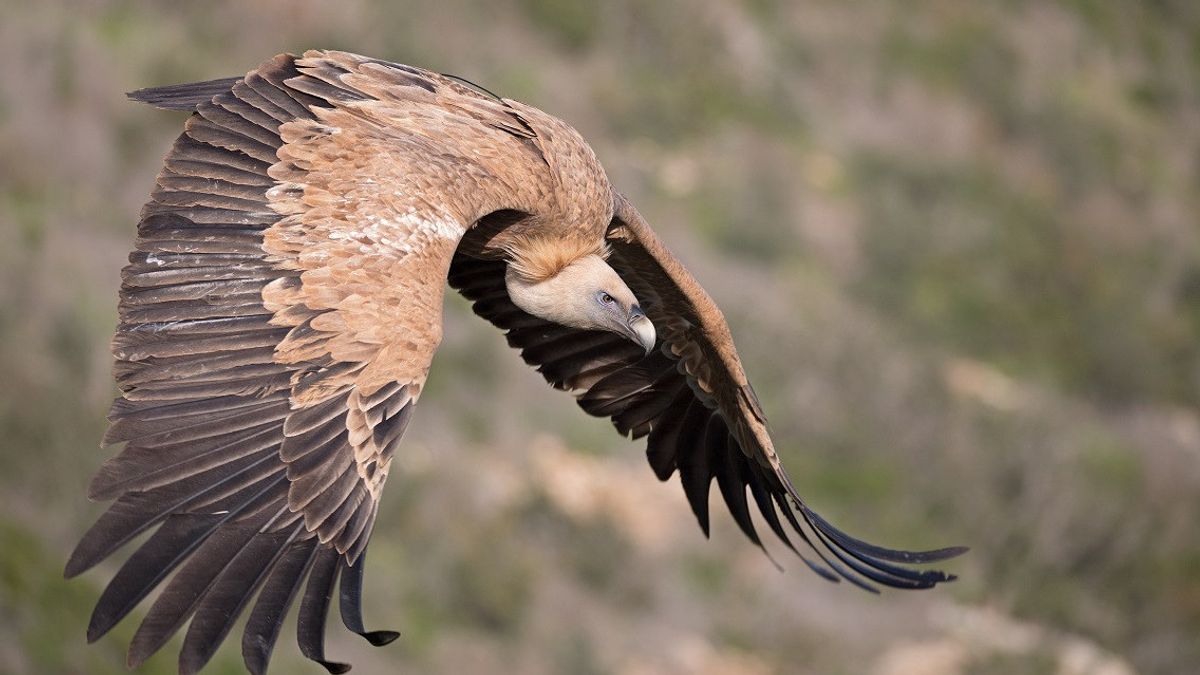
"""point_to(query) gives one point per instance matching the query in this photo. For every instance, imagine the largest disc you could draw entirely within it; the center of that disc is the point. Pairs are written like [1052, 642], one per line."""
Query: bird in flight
[283, 302]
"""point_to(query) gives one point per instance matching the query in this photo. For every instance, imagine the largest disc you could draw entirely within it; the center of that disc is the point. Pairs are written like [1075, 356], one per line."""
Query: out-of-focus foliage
[958, 244]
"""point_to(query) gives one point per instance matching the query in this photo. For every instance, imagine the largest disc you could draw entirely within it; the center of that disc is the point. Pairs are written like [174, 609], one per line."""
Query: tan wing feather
[277, 323]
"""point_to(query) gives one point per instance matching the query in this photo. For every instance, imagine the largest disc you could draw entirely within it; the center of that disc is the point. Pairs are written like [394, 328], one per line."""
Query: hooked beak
[641, 330]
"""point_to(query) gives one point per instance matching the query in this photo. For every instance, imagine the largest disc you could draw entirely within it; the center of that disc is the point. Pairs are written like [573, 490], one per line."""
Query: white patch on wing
[438, 222]
[447, 228]
[402, 234]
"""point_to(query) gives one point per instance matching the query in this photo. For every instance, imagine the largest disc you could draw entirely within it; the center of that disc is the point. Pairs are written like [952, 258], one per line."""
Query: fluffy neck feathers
[534, 260]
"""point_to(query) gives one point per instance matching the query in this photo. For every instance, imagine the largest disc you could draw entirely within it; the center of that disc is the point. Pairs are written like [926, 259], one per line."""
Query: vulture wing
[277, 320]
[691, 398]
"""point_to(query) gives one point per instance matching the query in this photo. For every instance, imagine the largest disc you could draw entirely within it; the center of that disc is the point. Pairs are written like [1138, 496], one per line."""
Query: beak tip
[644, 333]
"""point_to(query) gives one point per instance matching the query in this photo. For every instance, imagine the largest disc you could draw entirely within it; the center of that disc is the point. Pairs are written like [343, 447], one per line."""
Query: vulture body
[283, 302]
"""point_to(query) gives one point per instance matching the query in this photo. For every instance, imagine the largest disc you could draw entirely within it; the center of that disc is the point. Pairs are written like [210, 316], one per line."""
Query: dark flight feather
[183, 96]
[278, 592]
[314, 610]
[350, 603]
[229, 594]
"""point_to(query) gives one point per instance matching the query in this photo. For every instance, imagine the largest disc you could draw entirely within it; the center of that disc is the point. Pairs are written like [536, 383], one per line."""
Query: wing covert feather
[277, 321]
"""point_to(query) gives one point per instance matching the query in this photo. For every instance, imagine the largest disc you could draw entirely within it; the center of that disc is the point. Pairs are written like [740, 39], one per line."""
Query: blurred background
[958, 246]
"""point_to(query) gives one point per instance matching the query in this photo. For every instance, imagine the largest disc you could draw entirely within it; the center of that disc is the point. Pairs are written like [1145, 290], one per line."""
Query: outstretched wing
[689, 396]
[277, 320]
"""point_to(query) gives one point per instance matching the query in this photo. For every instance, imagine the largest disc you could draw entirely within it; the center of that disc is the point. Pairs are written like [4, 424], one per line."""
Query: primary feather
[283, 303]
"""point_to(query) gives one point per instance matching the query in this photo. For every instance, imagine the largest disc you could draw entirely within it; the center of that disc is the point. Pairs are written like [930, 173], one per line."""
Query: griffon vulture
[283, 302]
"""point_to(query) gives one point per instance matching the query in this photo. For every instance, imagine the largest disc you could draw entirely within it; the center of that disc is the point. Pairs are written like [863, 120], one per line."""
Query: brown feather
[248, 111]
[182, 96]
[225, 118]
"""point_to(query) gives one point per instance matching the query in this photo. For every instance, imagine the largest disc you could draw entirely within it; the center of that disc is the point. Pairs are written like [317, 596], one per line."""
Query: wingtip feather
[379, 638]
[182, 97]
[75, 565]
[334, 667]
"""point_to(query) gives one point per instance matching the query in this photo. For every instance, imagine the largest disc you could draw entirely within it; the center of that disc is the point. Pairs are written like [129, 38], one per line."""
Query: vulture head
[580, 291]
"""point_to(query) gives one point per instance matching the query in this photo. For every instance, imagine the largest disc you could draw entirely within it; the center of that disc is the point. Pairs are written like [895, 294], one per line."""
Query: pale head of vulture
[577, 289]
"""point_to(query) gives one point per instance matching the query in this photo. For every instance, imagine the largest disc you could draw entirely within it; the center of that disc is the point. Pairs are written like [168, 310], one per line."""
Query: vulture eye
[606, 299]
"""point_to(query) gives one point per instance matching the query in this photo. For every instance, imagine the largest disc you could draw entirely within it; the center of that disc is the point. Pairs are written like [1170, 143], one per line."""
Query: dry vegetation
[958, 244]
